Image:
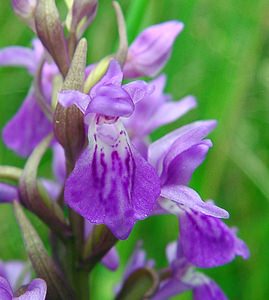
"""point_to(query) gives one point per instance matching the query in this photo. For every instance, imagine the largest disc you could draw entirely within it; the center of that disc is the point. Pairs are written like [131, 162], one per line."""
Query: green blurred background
[222, 58]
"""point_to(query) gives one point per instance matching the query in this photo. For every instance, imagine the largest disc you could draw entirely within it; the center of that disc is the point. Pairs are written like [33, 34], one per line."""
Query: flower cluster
[108, 174]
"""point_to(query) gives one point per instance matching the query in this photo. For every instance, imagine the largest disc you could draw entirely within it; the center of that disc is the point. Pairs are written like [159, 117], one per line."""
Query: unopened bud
[83, 13]
[50, 31]
[25, 9]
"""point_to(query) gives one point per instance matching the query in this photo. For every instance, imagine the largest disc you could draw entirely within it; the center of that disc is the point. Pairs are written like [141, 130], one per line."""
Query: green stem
[82, 285]
[78, 275]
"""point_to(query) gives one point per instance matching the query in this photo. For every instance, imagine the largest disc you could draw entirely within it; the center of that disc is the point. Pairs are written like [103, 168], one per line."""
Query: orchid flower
[205, 240]
[111, 183]
[184, 277]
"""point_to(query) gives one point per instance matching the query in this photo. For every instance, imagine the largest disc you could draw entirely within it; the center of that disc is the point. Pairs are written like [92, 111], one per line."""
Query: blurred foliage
[222, 58]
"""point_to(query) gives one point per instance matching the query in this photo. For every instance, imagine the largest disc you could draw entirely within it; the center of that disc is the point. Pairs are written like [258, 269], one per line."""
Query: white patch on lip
[111, 154]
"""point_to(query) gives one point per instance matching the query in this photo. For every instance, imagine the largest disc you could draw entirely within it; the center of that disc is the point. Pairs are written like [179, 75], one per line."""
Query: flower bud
[83, 13]
[50, 31]
[25, 9]
[151, 50]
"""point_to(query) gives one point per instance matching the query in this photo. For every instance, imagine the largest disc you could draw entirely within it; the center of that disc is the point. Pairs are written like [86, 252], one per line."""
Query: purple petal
[3, 272]
[8, 192]
[113, 76]
[18, 56]
[170, 111]
[59, 163]
[36, 290]
[111, 259]
[138, 260]
[178, 141]
[146, 108]
[27, 128]
[178, 170]
[141, 145]
[207, 242]
[69, 97]
[152, 48]
[208, 291]
[172, 287]
[111, 183]
[138, 90]
[112, 101]
[5, 290]
[185, 198]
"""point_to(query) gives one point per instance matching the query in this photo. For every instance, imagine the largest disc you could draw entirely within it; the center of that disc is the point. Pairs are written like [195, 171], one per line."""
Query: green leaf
[42, 263]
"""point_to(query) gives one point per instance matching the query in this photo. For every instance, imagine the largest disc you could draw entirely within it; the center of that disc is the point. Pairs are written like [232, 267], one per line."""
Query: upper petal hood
[164, 150]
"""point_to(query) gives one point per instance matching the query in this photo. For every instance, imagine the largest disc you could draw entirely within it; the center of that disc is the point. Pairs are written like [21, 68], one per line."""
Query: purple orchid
[18, 134]
[111, 183]
[206, 241]
[115, 177]
[150, 51]
[13, 275]
[153, 111]
[184, 277]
